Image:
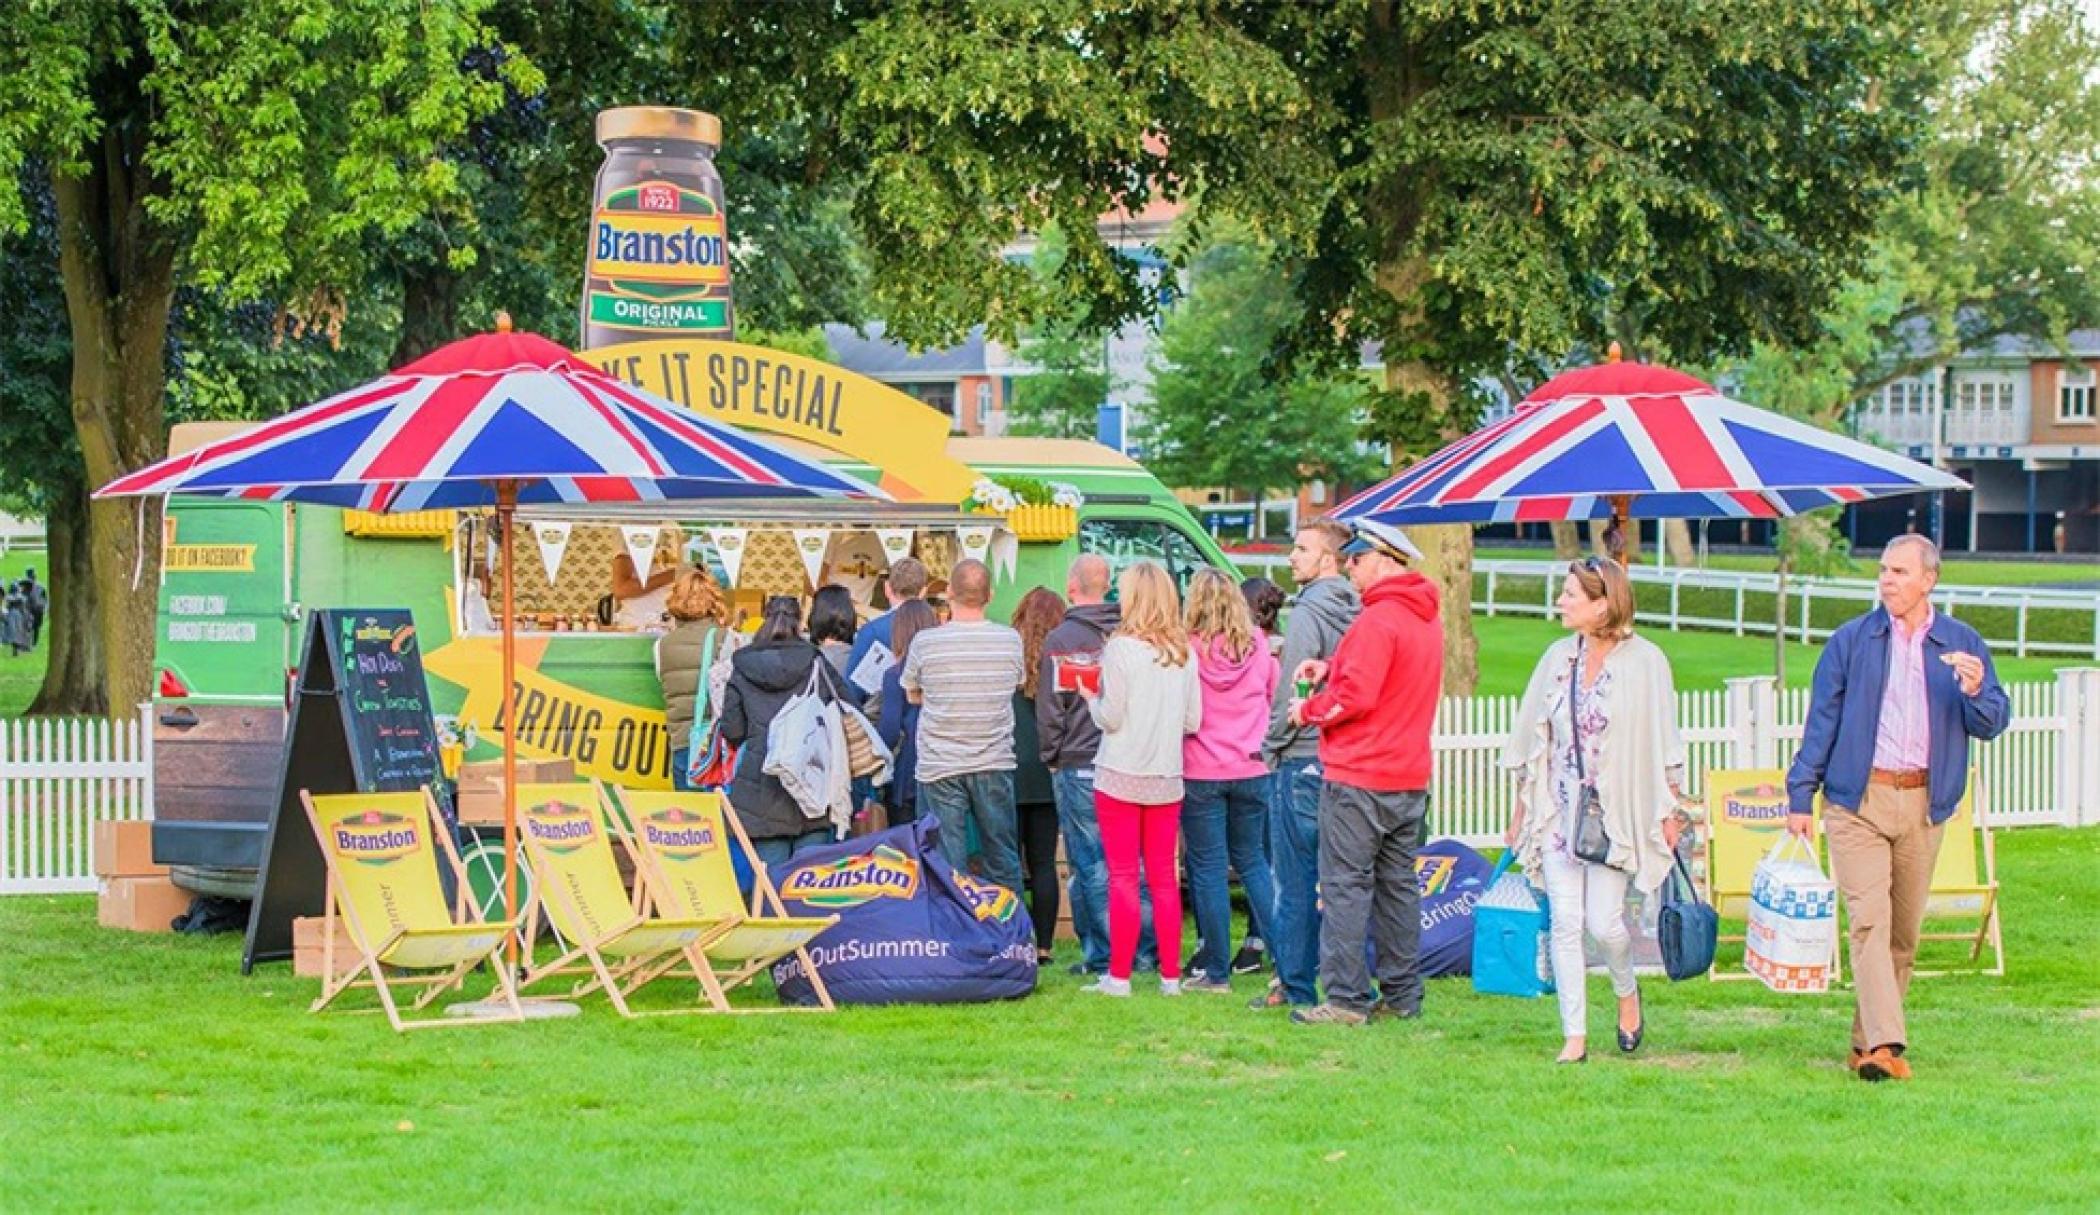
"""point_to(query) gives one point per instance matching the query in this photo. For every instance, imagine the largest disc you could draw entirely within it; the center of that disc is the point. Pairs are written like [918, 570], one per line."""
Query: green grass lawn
[20, 677]
[145, 1072]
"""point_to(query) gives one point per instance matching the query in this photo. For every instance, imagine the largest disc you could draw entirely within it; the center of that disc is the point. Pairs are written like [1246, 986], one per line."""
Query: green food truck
[240, 576]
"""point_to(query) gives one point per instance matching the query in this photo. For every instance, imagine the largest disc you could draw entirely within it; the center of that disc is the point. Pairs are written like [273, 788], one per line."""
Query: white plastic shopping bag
[1792, 935]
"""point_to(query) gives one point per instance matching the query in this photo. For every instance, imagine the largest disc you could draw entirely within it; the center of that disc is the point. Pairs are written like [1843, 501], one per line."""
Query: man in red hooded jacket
[1375, 714]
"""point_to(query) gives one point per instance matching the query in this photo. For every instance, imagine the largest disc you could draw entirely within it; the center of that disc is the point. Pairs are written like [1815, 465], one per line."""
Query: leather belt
[1915, 779]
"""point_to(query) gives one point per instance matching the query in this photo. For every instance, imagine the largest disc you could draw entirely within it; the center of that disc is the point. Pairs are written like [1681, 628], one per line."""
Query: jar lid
[659, 122]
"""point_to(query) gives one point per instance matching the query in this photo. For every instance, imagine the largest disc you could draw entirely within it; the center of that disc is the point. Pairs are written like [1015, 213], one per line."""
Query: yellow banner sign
[817, 403]
[209, 558]
[605, 738]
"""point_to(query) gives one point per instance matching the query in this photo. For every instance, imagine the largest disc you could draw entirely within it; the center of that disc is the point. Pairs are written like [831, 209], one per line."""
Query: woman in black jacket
[763, 677]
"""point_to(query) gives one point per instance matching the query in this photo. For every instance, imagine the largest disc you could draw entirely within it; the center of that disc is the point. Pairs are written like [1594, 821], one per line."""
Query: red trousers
[1130, 833]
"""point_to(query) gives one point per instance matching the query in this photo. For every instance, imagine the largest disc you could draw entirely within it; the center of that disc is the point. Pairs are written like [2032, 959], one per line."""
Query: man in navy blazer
[1898, 694]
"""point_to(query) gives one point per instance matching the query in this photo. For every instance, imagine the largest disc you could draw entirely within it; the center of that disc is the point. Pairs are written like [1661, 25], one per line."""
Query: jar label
[655, 235]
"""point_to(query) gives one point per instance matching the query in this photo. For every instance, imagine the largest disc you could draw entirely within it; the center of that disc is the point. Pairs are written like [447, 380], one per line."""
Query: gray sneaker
[1205, 985]
[1393, 1012]
[1326, 1014]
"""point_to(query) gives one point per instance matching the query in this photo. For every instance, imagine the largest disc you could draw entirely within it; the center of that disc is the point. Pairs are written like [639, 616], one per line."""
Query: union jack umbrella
[495, 420]
[1633, 440]
[448, 429]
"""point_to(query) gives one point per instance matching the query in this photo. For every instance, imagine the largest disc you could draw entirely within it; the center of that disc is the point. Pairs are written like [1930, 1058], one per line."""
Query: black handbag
[1687, 926]
[1590, 843]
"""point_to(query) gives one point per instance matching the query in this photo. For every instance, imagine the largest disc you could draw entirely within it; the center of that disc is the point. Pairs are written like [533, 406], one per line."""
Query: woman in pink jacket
[1225, 803]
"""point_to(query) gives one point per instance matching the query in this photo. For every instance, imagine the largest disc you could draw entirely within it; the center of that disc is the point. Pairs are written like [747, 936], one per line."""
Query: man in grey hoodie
[1325, 606]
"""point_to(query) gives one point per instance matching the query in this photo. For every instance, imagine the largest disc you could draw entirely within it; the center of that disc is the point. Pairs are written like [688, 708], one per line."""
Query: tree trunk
[118, 270]
[1567, 540]
[1677, 539]
[429, 311]
[1448, 550]
[73, 670]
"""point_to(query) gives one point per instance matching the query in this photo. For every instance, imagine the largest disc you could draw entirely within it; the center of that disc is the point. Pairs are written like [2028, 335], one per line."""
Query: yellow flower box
[409, 525]
[1043, 524]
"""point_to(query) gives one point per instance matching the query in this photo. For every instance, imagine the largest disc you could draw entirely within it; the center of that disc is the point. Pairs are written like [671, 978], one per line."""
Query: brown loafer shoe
[1883, 1064]
[1852, 1061]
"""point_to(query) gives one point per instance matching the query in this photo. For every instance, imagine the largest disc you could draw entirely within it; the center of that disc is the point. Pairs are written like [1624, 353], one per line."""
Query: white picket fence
[2043, 771]
[58, 778]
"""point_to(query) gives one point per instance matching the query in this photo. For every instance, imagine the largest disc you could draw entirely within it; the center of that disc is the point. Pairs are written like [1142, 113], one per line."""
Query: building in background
[970, 381]
[2018, 421]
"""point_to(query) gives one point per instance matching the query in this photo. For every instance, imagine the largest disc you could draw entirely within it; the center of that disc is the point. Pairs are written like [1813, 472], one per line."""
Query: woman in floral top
[1624, 720]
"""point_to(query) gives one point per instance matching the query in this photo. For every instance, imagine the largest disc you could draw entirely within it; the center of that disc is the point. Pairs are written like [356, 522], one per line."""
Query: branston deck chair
[383, 879]
[681, 845]
[1958, 893]
[609, 941]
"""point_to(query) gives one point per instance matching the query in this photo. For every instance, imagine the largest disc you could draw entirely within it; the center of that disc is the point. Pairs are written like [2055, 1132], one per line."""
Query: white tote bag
[1792, 936]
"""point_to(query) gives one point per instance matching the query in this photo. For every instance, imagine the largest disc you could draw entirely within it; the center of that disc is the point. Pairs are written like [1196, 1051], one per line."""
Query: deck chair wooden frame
[392, 979]
[635, 949]
[769, 915]
[1988, 930]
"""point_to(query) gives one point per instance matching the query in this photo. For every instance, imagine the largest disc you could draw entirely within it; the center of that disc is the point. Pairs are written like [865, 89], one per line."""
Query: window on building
[1982, 396]
[939, 394]
[984, 400]
[2074, 400]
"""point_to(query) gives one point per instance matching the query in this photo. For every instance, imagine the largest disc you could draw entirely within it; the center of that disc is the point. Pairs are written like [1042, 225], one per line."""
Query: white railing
[58, 778]
[2043, 771]
[1737, 616]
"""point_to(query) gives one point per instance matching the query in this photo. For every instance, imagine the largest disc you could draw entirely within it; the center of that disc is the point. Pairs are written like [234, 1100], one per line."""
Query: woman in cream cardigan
[1633, 757]
[1150, 697]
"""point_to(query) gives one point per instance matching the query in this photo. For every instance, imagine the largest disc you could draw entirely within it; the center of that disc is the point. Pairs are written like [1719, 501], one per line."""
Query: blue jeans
[776, 850]
[1074, 791]
[1221, 820]
[985, 800]
[1294, 833]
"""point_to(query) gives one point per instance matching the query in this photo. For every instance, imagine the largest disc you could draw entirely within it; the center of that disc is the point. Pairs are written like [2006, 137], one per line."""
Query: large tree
[1222, 413]
[239, 146]
[1453, 179]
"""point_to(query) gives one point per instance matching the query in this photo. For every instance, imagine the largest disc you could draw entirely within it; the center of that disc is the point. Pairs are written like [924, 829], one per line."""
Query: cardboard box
[125, 849]
[307, 933]
[140, 904]
[480, 795]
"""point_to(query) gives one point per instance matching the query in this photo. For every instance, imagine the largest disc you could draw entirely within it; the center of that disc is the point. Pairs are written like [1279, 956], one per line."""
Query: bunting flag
[1006, 554]
[976, 540]
[554, 541]
[810, 543]
[641, 547]
[896, 543]
[728, 543]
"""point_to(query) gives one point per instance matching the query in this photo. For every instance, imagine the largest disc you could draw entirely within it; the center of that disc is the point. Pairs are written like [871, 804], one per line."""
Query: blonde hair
[1152, 612]
[694, 596]
[1217, 612]
[1604, 578]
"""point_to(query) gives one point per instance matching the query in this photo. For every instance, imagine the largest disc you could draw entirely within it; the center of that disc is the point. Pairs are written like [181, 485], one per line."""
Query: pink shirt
[1903, 735]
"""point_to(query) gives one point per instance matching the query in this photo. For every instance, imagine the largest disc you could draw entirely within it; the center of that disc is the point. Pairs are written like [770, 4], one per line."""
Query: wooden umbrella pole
[506, 511]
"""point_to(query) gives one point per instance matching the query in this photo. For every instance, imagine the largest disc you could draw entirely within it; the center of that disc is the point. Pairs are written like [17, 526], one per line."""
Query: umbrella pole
[506, 507]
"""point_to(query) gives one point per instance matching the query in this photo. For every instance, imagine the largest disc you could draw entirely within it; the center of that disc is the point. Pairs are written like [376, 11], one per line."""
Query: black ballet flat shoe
[1629, 1043]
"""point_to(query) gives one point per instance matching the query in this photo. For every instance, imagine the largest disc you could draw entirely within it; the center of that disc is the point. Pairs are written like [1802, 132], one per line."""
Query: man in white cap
[1375, 713]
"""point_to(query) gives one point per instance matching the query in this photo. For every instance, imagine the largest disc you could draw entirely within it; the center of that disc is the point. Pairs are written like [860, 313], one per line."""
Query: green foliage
[1222, 414]
[809, 343]
[38, 455]
[1062, 397]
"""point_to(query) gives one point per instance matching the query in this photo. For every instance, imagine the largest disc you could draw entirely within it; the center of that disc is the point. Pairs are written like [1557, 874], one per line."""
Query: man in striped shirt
[963, 675]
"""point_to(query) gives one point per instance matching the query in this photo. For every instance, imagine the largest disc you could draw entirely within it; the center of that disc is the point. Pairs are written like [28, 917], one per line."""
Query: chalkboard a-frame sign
[361, 724]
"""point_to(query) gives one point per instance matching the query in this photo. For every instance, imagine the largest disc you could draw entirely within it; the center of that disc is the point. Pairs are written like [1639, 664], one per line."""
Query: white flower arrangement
[1063, 493]
[989, 495]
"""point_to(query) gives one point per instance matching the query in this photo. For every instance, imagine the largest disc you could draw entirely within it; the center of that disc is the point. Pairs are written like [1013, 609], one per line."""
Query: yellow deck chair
[609, 940]
[383, 878]
[1745, 815]
[680, 844]
[1958, 893]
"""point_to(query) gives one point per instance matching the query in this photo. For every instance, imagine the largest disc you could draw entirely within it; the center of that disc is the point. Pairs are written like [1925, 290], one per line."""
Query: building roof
[876, 356]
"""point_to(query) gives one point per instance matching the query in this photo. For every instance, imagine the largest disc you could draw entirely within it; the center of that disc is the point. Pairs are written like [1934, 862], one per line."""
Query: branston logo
[560, 826]
[376, 837]
[680, 833]
[1759, 808]
[884, 873]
